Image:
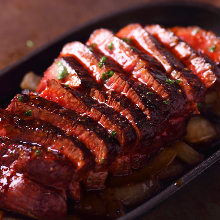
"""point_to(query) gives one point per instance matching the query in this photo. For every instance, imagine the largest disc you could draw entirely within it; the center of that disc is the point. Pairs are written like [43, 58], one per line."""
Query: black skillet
[168, 14]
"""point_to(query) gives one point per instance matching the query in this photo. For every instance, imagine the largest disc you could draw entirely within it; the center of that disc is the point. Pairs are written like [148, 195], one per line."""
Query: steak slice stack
[102, 107]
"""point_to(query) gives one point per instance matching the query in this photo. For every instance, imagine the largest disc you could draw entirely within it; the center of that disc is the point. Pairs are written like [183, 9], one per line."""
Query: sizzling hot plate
[168, 14]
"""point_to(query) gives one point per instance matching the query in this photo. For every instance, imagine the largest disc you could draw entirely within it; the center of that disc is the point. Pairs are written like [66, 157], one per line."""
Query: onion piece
[154, 166]
[173, 171]
[30, 81]
[199, 130]
[135, 193]
[187, 153]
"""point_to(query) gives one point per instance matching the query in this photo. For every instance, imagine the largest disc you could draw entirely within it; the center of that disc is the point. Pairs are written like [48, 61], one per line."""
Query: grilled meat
[106, 106]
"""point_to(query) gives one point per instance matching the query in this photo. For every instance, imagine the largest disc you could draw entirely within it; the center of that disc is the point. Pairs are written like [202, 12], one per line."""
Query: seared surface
[105, 107]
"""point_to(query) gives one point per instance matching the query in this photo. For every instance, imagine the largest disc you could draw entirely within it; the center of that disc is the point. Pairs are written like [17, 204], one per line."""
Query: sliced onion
[135, 193]
[155, 165]
[30, 81]
[199, 130]
[187, 153]
[173, 171]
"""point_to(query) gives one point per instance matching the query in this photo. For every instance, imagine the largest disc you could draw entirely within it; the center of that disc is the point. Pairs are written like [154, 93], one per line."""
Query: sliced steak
[131, 60]
[144, 41]
[37, 163]
[93, 135]
[21, 195]
[206, 42]
[52, 138]
[90, 61]
[83, 104]
[201, 66]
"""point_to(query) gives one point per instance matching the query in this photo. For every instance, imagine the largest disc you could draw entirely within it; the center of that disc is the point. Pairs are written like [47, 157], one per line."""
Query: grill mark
[173, 67]
[52, 138]
[90, 61]
[45, 167]
[128, 59]
[201, 66]
[83, 104]
[93, 135]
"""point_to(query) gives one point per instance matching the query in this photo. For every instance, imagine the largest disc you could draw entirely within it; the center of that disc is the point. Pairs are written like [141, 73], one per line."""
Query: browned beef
[131, 60]
[201, 66]
[37, 163]
[93, 135]
[35, 131]
[21, 195]
[143, 40]
[83, 104]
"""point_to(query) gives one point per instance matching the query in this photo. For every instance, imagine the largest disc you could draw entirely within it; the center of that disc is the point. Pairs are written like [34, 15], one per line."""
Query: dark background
[43, 20]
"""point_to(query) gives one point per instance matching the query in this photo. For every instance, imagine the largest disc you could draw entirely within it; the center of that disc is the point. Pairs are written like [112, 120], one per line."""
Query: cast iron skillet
[168, 14]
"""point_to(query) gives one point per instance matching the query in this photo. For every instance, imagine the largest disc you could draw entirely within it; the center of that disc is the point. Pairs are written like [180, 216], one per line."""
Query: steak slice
[52, 138]
[90, 133]
[206, 42]
[37, 163]
[90, 61]
[201, 66]
[128, 59]
[21, 195]
[73, 99]
[73, 75]
[144, 41]
[147, 74]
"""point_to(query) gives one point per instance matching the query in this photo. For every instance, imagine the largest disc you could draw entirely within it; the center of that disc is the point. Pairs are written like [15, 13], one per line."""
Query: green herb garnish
[110, 46]
[61, 71]
[166, 102]
[170, 81]
[199, 105]
[107, 75]
[127, 40]
[28, 113]
[38, 152]
[149, 93]
[102, 61]
[91, 48]
[212, 48]
[178, 81]
[102, 161]
[20, 98]
[113, 133]
[29, 43]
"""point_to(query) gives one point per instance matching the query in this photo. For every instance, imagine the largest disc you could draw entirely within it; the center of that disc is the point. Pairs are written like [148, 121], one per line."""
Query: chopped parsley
[127, 40]
[212, 48]
[166, 102]
[178, 81]
[102, 61]
[170, 81]
[20, 98]
[61, 148]
[102, 161]
[91, 48]
[107, 75]
[149, 93]
[110, 46]
[29, 43]
[38, 152]
[28, 113]
[113, 133]
[199, 105]
[195, 31]
[61, 71]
